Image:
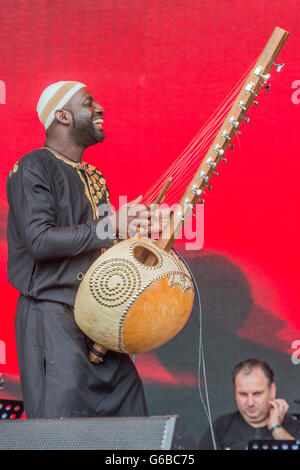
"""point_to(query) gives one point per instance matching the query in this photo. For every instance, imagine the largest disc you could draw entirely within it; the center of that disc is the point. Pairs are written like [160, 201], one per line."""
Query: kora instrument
[138, 294]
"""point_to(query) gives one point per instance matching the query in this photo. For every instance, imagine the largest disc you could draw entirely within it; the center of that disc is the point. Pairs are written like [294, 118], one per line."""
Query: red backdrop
[160, 68]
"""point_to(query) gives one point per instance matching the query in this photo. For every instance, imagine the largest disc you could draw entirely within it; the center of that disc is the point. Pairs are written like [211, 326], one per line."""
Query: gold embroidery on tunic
[14, 169]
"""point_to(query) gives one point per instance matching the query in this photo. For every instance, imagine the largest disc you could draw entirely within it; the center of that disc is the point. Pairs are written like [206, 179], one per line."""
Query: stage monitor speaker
[133, 433]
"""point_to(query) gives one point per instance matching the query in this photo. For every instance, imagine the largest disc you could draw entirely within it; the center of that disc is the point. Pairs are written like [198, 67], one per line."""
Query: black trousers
[57, 378]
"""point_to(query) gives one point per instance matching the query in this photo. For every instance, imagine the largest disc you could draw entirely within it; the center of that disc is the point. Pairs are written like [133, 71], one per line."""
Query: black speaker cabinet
[136, 433]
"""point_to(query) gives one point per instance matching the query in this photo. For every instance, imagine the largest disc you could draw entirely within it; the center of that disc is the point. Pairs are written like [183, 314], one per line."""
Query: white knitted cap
[54, 97]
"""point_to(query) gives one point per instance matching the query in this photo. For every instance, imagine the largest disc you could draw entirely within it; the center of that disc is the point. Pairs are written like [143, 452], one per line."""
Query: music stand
[11, 409]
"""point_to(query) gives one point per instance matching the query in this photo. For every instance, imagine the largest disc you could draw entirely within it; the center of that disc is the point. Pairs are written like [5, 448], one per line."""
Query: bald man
[54, 200]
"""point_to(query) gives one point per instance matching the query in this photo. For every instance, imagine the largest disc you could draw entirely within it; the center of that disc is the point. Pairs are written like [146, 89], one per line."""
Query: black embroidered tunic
[52, 241]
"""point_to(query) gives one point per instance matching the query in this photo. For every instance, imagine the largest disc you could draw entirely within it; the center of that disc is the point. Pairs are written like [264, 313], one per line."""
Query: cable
[201, 361]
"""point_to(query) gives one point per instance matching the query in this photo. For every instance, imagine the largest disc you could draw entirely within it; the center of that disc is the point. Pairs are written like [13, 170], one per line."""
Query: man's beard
[84, 133]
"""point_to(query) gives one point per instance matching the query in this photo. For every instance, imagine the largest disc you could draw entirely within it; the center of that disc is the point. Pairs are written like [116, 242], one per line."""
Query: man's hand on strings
[137, 219]
[125, 216]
